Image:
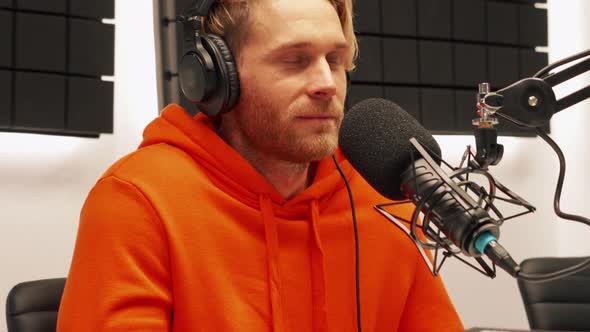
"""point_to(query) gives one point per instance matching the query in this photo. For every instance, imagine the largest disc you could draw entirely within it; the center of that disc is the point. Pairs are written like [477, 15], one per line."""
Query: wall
[44, 179]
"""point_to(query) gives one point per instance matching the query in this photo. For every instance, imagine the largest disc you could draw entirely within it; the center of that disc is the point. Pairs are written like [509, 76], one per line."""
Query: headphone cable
[356, 246]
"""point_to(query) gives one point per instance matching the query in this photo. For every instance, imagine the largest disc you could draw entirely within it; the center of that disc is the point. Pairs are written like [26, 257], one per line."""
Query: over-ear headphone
[207, 72]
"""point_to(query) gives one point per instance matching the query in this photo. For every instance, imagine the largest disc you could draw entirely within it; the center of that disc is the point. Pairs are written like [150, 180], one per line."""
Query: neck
[288, 178]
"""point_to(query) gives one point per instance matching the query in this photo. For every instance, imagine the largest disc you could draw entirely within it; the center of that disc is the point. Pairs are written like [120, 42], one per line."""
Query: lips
[317, 117]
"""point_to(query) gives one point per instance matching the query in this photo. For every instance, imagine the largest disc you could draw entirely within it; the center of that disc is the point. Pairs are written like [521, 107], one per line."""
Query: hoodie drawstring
[318, 272]
[318, 269]
[274, 277]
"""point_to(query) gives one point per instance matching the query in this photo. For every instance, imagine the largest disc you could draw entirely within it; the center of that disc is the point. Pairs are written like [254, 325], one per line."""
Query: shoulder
[154, 160]
[158, 166]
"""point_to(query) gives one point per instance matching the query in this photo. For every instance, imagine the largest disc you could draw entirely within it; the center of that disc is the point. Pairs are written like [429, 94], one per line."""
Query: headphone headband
[199, 8]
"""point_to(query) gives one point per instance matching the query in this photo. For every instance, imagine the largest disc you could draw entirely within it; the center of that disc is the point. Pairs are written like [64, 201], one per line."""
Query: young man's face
[293, 82]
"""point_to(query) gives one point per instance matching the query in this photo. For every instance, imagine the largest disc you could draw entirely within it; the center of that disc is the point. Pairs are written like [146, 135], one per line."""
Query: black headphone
[207, 72]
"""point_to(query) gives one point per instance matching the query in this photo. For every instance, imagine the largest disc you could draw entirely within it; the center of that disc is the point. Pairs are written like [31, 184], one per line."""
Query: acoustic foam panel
[407, 98]
[6, 36]
[367, 16]
[359, 92]
[435, 63]
[95, 9]
[502, 23]
[90, 105]
[51, 6]
[41, 42]
[503, 66]
[438, 109]
[398, 17]
[92, 51]
[465, 109]
[533, 26]
[469, 20]
[434, 18]
[39, 101]
[400, 63]
[5, 97]
[531, 62]
[470, 64]
[369, 65]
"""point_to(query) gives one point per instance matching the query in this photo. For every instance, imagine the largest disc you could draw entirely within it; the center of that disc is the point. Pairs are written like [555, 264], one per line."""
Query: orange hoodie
[185, 235]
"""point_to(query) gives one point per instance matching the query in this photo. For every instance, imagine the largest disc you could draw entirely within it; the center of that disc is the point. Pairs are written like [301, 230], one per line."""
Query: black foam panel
[359, 92]
[5, 97]
[41, 42]
[434, 18]
[400, 60]
[51, 6]
[436, 60]
[92, 51]
[502, 24]
[39, 101]
[95, 9]
[6, 36]
[398, 17]
[367, 16]
[438, 109]
[470, 64]
[531, 62]
[407, 98]
[533, 26]
[90, 105]
[469, 20]
[369, 65]
[465, 109]
[503, 66]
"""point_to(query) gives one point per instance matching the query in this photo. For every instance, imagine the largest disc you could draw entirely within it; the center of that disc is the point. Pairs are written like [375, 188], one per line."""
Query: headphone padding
[231, 69]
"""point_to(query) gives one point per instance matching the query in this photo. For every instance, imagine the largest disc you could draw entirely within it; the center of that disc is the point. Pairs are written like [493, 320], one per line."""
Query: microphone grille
[374, 137]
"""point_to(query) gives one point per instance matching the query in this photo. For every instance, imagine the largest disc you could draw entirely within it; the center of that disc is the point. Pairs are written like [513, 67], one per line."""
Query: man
[242, 222]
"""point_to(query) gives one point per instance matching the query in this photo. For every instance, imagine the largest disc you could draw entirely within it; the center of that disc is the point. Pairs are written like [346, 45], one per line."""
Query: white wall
[530, 168]
[44, 179]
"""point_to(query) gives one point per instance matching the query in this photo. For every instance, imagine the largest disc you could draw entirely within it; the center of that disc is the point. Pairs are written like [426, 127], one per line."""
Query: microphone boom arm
[531, 102]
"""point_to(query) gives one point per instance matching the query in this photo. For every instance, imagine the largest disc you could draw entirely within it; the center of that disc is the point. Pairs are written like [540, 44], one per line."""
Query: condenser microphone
[375, 137]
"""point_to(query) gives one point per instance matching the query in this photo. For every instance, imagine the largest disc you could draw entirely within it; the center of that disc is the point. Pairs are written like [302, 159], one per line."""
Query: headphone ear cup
[228, 72]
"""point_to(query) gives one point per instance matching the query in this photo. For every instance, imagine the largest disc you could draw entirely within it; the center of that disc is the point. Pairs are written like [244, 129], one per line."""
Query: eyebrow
[303, 45]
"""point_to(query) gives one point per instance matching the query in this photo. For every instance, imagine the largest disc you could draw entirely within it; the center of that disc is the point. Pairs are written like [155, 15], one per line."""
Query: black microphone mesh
[375, 136]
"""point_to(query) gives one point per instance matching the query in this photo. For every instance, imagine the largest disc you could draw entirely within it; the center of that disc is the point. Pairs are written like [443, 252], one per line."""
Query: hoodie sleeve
[428, 307]
[119, 277]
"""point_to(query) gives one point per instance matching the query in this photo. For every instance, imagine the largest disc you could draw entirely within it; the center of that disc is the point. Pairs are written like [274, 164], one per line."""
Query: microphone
[376, 137]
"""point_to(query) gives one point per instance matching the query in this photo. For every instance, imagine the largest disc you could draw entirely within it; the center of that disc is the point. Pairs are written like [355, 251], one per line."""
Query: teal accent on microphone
[483, 240]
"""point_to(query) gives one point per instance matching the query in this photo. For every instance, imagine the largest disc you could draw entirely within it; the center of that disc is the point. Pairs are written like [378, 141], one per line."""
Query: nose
[322, 84]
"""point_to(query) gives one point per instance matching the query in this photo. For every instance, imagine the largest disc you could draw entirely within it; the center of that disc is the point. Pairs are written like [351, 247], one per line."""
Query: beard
[277, 131]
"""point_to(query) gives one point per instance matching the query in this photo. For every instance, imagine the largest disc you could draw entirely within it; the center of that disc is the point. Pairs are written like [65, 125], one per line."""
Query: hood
[197, 137]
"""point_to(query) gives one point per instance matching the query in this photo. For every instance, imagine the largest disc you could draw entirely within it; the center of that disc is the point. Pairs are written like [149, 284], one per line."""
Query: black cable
[562, 62]
[556, 202]
[555, 275]
[557, 197]
[356, 246]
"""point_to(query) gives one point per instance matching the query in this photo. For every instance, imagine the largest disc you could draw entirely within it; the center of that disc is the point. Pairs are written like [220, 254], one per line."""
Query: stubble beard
[272, 131]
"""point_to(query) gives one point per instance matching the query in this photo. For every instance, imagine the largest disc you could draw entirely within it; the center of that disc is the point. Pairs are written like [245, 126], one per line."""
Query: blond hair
[229, 19]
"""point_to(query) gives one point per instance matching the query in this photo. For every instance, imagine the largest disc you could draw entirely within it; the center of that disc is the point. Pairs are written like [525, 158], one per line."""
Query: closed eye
[335, 59]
